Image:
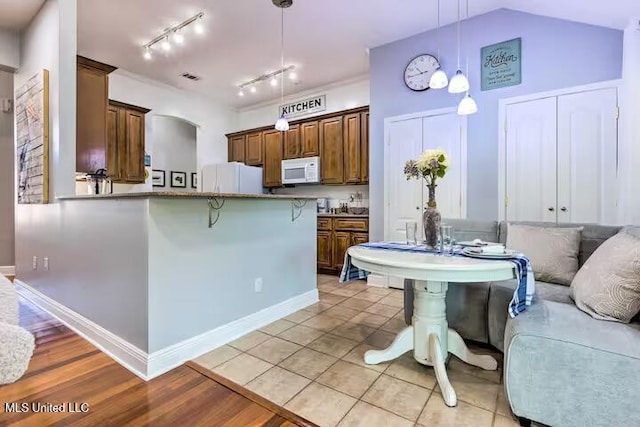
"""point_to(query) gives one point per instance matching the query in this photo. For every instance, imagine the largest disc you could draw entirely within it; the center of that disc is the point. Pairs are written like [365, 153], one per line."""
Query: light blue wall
[201, 278]
[555, 54]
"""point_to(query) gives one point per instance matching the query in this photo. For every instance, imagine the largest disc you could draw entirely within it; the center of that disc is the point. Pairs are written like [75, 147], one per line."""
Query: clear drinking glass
[446, 239]
[412, 233]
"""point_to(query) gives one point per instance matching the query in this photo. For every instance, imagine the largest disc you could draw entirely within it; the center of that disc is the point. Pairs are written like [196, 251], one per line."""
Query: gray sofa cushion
[500, 295]
[467, 229]
[592, 235]
[564, 368]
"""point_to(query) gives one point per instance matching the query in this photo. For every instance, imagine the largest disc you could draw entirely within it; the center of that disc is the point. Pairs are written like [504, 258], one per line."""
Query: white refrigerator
[232, 177]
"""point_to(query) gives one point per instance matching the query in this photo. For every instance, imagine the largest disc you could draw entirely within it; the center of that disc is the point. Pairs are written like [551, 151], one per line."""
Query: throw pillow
[553, 251]
[607, 286]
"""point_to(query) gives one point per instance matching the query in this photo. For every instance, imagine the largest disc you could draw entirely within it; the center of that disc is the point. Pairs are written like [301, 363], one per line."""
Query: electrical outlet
[45, 263]
[258, 284]
[35, 263]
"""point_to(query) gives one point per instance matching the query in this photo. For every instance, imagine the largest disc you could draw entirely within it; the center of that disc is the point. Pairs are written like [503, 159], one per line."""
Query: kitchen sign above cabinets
[340, 140]
[302, 108]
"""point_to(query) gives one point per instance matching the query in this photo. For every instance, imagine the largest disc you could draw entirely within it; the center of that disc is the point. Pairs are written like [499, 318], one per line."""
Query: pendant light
[467, 105]
[282, 124]
[439, 79]
[459, 82]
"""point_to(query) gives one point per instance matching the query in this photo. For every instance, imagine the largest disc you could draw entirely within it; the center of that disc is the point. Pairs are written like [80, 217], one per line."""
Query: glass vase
[431, 220]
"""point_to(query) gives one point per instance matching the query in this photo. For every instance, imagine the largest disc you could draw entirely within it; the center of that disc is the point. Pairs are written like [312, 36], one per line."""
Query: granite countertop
[344, 214]
[184, 195]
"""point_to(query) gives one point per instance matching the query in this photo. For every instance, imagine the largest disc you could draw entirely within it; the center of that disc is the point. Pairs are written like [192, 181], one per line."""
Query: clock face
[419, 72]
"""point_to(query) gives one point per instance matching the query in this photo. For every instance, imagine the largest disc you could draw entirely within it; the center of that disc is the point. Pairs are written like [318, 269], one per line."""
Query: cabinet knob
[417, 208]
[564, 209]
[551, 209]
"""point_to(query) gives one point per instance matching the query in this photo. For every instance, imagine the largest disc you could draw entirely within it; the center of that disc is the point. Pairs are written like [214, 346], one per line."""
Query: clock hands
[414, 75]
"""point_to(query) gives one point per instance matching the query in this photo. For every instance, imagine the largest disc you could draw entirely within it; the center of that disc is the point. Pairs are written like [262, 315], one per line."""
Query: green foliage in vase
[431, 165]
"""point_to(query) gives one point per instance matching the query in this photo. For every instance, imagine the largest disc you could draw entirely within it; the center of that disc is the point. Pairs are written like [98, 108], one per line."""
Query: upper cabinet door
[292, 142]
[91, 127]
[587, 156]
[253, 154]
[237, 148]
[332, 151]
[114, 169]
[309, 139]
[531, 161]
[272, 172]
[364, 147]
[352, 135]
[134, 146]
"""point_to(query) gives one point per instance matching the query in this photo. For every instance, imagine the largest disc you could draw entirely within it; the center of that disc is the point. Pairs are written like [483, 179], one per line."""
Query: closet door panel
[587, 156]
[445, 131]
[404, 141]
[531, 161]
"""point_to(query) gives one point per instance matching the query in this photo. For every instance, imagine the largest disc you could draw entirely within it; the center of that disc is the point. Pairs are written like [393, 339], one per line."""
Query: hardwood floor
[67, 369]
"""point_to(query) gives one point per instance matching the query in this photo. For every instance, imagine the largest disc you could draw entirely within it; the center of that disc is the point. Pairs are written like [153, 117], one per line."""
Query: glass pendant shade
[439, 80]
[458, 83]
[467, 106]
[282, 124]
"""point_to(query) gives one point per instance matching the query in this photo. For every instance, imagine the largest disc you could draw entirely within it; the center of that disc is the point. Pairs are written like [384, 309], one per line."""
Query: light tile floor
[311, 362]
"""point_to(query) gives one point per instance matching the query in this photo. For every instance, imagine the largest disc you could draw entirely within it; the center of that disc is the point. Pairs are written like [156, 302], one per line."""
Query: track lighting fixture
[274, 78]
[173, 34]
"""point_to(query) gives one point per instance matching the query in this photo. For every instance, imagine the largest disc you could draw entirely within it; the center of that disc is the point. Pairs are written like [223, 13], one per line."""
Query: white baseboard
[123, 352]
[378, 281]
[168, 358]
[148, 366]
[8, 270]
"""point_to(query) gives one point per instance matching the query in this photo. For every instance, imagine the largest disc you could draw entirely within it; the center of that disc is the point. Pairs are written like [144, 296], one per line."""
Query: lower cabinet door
[324, 249]
[341, 242]
[359, 238]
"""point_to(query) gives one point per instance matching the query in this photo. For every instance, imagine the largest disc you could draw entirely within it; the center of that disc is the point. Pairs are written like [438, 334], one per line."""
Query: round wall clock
[419, 71]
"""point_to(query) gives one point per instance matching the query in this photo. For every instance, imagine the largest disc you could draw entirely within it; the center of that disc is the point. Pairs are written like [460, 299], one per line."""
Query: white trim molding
[148, 366]
[502, 127]
[123, 352]
[164, 360]
[8, 270]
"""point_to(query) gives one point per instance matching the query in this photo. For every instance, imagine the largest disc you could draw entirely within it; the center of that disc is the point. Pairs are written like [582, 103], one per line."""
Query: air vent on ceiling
[191, 77]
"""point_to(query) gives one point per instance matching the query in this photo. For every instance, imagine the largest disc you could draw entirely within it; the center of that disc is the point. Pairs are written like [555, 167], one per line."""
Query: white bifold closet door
[561, 158]
[531, 161]
[587, 157]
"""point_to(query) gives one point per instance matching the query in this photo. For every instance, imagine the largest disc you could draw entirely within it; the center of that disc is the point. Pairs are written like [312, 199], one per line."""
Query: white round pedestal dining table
[429, 336]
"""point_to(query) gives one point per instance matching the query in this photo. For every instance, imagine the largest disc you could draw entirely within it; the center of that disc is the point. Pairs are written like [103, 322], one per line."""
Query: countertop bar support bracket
[296, 208]
[215, 204]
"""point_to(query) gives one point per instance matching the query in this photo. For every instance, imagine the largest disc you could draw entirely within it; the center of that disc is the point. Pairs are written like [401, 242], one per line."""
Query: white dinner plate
[476, 253]
[471, 244]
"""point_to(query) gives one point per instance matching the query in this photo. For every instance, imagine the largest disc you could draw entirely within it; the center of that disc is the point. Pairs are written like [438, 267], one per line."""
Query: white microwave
[301, 171]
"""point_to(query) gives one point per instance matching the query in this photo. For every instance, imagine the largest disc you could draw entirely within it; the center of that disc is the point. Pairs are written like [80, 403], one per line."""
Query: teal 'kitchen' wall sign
[501, 64]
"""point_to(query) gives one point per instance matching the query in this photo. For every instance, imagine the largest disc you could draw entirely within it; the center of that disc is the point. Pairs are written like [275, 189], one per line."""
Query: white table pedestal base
[431, 339]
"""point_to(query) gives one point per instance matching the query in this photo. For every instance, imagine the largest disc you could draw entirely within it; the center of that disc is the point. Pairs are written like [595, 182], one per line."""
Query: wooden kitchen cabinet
[292, 143]
[310, 139]
[237, 148]
[352, 135]
[332, 151]
[126, 142]
[335, 235]
[272, 172]
[324, 249]
[253, 149]
[92, 99]
[364, 147]
[341, 242]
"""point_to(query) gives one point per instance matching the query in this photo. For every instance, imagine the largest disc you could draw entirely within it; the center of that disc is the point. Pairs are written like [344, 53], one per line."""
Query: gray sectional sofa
[561, 367]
